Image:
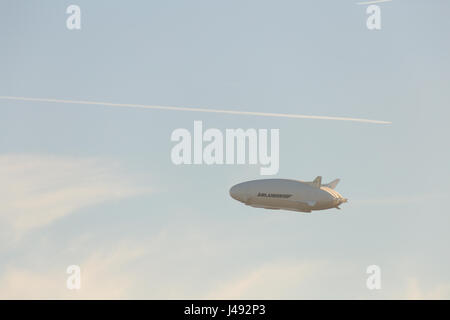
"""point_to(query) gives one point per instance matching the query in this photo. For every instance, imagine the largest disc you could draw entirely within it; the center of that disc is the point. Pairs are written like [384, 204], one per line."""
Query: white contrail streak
[373, 2]
[141, 106]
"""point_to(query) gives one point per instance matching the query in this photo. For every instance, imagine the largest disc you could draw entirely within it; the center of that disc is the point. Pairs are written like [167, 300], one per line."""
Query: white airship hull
[285, 194]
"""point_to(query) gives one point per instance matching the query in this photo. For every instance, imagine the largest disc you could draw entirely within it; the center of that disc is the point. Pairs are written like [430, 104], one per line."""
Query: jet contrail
[249, 113]
[372, 2]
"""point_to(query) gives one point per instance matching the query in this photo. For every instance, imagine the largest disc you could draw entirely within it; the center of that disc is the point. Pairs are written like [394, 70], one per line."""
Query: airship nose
[237, 192]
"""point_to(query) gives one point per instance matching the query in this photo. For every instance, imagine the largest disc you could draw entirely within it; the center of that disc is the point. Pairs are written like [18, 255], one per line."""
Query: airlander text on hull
[237, 143]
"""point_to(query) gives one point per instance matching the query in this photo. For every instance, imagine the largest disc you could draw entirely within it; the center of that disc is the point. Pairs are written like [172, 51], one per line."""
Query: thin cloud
[269, 281]
[102, 277]
[414, 291]
[39, 189]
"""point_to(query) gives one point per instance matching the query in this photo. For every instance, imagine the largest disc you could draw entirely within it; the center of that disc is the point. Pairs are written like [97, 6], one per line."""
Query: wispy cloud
[414, 291]
[148, 267]
[39, 189]
[102, 277]
[270, 281]
[415, 199]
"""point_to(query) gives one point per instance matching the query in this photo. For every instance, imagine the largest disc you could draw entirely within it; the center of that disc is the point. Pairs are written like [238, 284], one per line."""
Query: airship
[288, 194]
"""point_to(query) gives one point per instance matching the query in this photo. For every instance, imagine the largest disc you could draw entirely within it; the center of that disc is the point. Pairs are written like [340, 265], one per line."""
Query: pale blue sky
[191, 239]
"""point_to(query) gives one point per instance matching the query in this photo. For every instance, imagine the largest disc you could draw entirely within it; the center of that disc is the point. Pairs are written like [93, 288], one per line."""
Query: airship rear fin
[317, 182]
[332, 184]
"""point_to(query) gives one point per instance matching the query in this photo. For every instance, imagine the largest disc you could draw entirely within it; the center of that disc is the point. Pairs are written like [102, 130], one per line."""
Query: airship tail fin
[332, 184]
[317, 182]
